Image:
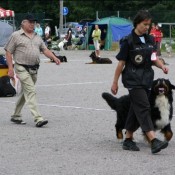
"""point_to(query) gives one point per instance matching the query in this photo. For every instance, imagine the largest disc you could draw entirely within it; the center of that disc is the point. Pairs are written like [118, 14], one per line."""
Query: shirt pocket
[21, 47]
[36, 44]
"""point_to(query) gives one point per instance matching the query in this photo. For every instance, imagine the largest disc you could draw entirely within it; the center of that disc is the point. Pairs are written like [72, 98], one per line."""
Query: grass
[163, 49]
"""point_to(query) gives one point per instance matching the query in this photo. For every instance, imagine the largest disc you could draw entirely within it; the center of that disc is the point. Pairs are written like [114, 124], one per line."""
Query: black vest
[138, 72]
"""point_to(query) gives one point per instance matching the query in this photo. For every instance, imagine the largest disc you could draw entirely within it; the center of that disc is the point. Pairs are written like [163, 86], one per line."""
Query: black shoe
[41, 123]
[157, 145]
[18, 121]
[128, 144]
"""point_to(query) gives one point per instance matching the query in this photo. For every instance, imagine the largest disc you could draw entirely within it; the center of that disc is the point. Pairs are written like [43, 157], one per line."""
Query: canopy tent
[115, 28]
[6, 13]
[6, 31]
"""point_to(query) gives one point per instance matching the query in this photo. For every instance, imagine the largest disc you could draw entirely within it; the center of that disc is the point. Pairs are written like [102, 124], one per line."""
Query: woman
[96, 35]
[69, 38]
[158, 39]
[38, 29]
[136, 57]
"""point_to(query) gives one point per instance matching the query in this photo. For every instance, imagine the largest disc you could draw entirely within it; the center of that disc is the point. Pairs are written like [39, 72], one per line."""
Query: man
[24, 46]
[96, 35]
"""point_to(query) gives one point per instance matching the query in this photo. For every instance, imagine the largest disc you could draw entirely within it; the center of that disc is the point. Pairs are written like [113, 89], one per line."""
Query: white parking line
[68, 84]
[60, 106]
[72, 107]
[46, 59]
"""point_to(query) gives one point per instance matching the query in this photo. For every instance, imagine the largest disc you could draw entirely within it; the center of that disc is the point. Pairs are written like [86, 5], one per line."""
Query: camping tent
[6, 31]
[115, 28]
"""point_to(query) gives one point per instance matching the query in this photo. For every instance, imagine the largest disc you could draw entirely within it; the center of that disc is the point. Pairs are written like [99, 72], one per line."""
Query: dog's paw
[120, 141]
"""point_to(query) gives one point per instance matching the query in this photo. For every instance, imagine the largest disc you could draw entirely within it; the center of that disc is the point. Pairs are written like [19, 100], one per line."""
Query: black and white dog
[168, 49]
[99, 60]
[161, 102]
[62, 44]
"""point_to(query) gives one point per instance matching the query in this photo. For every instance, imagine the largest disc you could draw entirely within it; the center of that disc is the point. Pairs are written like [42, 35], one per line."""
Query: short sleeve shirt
[25, 50]
[124, 47]
[47, 30]
[124, 51]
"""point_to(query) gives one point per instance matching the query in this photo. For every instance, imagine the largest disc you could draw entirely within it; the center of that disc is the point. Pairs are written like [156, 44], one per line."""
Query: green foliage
[163, 49]
[83, 9]
[173, 32]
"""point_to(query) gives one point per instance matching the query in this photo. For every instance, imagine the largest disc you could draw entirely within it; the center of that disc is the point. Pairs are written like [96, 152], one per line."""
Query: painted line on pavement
[45, 59]
[68, 84]
[73, 107]
[60, 106]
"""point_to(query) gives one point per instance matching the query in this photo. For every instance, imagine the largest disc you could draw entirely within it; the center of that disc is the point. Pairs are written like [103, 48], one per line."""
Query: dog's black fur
[61, 58]
[161, 102]
[99, 60]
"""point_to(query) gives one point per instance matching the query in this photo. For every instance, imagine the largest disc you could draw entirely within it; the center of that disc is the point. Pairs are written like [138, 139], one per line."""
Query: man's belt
[34, 67]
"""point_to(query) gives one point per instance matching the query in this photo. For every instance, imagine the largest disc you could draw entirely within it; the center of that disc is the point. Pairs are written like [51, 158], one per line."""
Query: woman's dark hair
[141, 16]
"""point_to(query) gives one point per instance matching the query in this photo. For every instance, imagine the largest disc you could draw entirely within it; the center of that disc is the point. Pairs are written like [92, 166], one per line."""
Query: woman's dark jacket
[138, 72]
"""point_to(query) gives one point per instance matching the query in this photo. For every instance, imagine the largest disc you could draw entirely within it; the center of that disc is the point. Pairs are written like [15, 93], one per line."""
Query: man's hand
[11, 73]
[50, 55]
[57, 61]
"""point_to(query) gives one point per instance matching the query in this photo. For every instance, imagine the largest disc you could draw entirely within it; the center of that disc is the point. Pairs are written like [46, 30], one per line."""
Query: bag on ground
[6, 89]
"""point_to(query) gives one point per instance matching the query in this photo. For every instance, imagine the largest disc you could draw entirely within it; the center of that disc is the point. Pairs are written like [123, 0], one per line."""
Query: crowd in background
[78, 32]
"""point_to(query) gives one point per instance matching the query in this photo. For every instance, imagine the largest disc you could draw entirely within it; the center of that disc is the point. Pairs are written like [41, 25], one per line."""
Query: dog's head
[92, 55]
[64, 40]
[166, 45]
[168, 48]
[162, 86]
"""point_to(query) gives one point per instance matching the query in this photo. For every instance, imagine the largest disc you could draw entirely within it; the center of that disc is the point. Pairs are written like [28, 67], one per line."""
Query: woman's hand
[165, 69]
[114, 88]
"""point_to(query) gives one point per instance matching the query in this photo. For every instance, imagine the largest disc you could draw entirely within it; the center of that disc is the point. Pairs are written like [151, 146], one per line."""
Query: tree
[80, 9]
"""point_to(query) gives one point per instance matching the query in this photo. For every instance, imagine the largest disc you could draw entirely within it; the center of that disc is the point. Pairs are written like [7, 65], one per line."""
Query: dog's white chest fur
[163, 105]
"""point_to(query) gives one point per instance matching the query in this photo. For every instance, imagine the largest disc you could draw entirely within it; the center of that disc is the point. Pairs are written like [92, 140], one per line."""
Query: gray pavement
[80, 136]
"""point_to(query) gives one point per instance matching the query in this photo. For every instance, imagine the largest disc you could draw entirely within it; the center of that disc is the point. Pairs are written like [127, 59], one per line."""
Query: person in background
[84, 32]
[47, 34]
[96, 35]
[152, 28]
[24, 47]
[137, 77]
[103, 37]
[69, 38]
[38, 30]
[158, 35]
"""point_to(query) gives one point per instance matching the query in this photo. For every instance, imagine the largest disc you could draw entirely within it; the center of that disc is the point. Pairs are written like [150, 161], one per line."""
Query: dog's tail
[111, 100]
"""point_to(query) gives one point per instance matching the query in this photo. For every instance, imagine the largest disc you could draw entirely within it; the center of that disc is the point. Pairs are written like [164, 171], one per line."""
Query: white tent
[6, 31]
